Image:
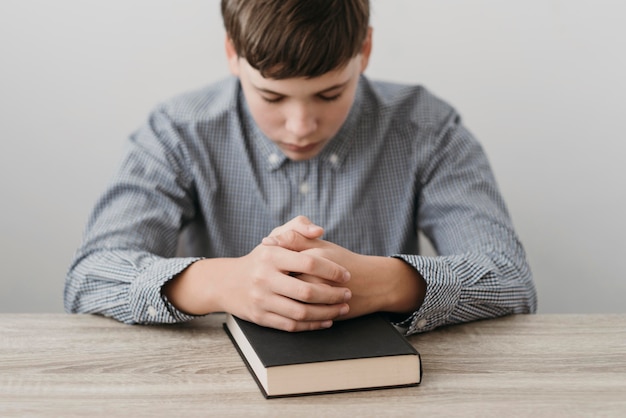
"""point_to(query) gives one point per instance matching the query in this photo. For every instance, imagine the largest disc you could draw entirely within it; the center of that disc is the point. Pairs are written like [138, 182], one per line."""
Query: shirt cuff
[147, 304]
[443, 291]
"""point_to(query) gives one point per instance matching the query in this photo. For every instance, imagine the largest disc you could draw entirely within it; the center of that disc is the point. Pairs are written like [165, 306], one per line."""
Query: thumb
[302, 225]
[290, 240]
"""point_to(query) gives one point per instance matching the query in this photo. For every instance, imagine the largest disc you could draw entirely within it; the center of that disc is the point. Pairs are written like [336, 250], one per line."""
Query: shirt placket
[303, 181]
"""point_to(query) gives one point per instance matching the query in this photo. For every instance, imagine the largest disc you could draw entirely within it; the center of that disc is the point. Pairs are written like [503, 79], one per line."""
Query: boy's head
[298, 62]
[296, 38]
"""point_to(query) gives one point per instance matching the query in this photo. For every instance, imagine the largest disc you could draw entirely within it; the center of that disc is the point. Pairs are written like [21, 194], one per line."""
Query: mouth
[300, 148]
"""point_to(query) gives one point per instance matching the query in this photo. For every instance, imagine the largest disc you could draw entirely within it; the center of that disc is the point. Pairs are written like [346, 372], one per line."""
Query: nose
[301, 121]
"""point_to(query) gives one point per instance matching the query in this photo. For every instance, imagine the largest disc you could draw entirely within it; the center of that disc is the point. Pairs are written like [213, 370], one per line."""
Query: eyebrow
[326, 90]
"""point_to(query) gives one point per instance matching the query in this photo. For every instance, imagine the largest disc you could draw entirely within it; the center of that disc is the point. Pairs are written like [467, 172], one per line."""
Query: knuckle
[308, 262]
[301, 219]
[290, 237]
[256, 298]
[290, 326]
[299, 313]
[265, 255]
[305, 293]
[257, 280]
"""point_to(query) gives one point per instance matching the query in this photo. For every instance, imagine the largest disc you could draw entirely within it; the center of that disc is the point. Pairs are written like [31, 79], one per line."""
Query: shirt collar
[333, 154]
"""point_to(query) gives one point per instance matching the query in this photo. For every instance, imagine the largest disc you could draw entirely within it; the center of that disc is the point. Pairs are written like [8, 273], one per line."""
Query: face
[300, 115]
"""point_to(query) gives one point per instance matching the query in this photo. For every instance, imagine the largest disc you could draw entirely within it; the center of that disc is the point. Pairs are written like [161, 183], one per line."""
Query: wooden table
[61, 365]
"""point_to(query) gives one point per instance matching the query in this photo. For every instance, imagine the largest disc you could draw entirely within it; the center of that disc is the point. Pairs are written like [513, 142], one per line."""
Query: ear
[231, 56]
[366, 49]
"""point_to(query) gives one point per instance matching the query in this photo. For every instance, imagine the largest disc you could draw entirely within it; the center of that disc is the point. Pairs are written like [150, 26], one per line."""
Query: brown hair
[296, 38]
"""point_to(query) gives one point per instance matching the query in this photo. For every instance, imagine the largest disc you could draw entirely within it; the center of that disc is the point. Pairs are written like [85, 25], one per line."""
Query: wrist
[410, 287]
[193, 291]
[404, 288]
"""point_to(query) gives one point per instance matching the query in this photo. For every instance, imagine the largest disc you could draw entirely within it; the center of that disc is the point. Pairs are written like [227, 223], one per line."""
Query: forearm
[408, 287]
[199, 289]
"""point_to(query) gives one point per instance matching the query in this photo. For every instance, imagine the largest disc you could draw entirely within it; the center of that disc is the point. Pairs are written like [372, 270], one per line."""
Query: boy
[220, 201]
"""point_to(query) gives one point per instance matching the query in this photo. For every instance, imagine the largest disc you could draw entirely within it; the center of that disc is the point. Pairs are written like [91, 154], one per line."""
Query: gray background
[539, 82]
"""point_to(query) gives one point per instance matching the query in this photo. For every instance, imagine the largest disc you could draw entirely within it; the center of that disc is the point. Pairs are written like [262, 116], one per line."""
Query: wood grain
[528, 365]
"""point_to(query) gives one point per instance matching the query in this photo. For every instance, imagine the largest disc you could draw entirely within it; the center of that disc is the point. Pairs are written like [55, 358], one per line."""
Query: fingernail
[344, 310]
[326, 324]
[347, 295]
[346, 276]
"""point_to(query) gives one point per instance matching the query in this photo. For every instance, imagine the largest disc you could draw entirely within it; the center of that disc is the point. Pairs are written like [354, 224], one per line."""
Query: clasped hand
[371, 283]
[292, 283]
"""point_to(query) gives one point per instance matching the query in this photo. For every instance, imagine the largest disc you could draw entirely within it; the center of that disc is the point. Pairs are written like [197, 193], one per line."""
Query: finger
[302, 225]
[307, 263]
[286, 324]
[291, 240]
[312, 279]
[293, 310]
[316, 280]
[310, 292]
[278, 308]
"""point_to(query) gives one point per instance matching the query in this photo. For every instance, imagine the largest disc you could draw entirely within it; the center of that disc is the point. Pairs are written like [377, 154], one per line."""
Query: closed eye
[330, 98]
[273, 99]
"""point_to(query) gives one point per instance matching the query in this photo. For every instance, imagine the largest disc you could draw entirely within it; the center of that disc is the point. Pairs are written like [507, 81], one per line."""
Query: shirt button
[304, 188]
[334, 159]
[152, 312]
[273, 158]
[421, 323]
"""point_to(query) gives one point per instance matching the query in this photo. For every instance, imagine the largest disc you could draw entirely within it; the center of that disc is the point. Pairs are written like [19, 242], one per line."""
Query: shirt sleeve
[481, 269]
[129, 247]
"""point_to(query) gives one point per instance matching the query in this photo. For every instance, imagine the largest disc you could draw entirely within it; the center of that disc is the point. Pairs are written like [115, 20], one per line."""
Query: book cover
[356, 354]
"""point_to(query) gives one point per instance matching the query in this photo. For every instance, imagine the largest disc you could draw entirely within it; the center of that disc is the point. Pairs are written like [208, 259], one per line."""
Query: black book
[357, 354]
